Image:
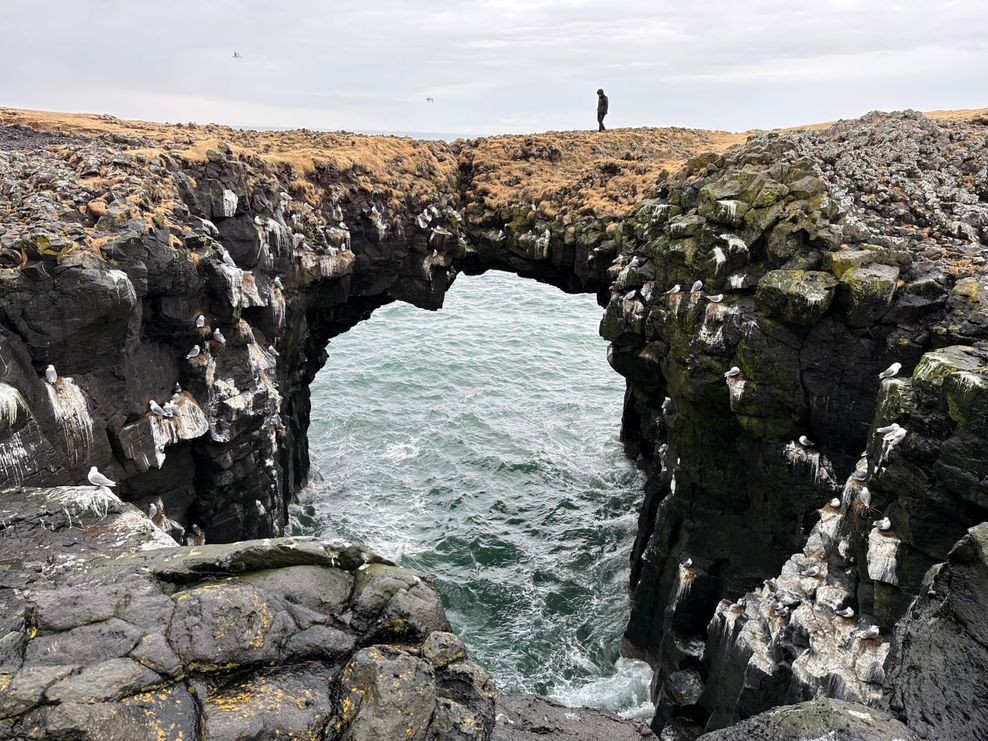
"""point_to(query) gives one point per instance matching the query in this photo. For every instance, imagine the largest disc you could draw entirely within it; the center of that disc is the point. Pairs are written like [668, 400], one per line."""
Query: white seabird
[891, 371]
[200, 321]
[194, 352]
[688, 563]
[888, 428]
[198, 537]
[169, 408]
[734, 371]
[835, 502]
[50, 375]
[97, 479]
[272, 350]
[277, 282]
[152, 511]
[806, 442]
[227, 260]
[218, 336]
[697, 286]
[675, 289]
[895, 437]
[811, 571]
[872, 631]
[847, 612]
[261, 511]
[883, 524]
[859, 474]
[667, 405]
[716, 298]
[156, 409]
[864, 496]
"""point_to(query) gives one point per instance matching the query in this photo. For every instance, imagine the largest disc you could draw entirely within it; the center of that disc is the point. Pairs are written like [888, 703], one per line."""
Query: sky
[493, 66]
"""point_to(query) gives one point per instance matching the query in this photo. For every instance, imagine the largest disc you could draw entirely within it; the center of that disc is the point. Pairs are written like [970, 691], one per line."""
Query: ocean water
[480, 443]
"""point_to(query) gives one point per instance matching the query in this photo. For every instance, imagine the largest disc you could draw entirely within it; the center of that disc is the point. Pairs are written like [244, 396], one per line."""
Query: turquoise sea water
[480, 443]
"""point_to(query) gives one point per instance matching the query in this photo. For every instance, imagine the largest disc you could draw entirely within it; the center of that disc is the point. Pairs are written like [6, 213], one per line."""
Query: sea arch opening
[481, 444]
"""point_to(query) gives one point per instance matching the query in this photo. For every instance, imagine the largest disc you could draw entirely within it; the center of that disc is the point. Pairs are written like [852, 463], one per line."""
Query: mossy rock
[840, 261]
[686, 226]
[115, 217]
[867, 293]
[796, 296]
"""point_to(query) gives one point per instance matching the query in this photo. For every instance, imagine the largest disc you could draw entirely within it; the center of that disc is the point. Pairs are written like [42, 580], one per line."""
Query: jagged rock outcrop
[825, 256]
[111, 630]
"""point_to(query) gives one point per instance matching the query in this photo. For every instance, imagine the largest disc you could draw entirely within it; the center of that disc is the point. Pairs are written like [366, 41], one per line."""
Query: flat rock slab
[529, 717]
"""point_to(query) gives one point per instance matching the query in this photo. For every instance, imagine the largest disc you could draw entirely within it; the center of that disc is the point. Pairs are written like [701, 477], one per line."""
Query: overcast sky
[493, 65]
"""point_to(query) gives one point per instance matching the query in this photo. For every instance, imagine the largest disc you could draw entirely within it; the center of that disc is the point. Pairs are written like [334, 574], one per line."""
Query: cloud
[493, 65]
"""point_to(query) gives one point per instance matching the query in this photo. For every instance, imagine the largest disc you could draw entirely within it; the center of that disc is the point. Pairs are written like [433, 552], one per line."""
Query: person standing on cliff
[601, 108]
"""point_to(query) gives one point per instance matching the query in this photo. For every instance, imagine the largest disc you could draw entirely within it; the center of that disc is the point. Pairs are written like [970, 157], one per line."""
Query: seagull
[734, 371]
[811, 571]
[716, 298]
[835, 502]
[847, 612]
[97, 479]
[675, 289]
[198, 537]
[687, 563]
[864, 496]
[155, 409]
[159, 517]
[896, 436]
[772, 584]
[50, 375]
[194, 352]
[152, 511]
[667, 405]
[883, 524]
[170, 409]
[806, 442]
[872, 631]
[859, 474]
[178, 387]
[273, 351]
[261, 511]
[891, 371]
[697, 286]
[218, 336]
[200, 321]
[277, 282]
[889, 428]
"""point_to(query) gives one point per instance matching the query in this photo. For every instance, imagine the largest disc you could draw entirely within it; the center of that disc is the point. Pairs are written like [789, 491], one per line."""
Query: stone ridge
[768, 544]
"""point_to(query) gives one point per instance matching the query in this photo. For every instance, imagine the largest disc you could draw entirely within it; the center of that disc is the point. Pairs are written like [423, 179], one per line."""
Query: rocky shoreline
[837, 252]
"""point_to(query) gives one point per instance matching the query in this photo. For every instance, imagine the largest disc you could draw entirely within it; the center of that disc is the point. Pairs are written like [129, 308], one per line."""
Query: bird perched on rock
[860, 474]
[273, 350]
[156, 409]
[277, 283]
[772, 584]
[259, 508]
[50, 375]
[667, 405]
[227, 260]
[697, 286]
[888, 428]
[675, 289]
[688, 563]
[895, 436]
[891, 371]
[835, 502]
[810, 571]
[170, 409]
[200, 321]
[157, 514]
[732, 372]
[97, 479]
[178, 387]
[883, 524]
[218, 336]
[864, 496]
[806, 442]
[846, 612]
[196, 536]
[716, 298]
[194, 352]
[872, 631]
[152, 511]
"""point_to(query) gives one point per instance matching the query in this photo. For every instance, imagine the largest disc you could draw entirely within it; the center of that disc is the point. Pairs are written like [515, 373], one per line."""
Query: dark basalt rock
[530, 718]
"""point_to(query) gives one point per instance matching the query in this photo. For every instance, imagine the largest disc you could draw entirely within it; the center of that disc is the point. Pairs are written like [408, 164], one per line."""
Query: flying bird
[891, 371]
[697, 286]
[218, 336]
[194, 352]
[675, 289]
[50, 375]
[734, 371]
[97, 479]
[806, 442]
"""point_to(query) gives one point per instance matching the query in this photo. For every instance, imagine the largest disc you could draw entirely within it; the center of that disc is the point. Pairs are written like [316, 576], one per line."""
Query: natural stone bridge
[837, 252]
